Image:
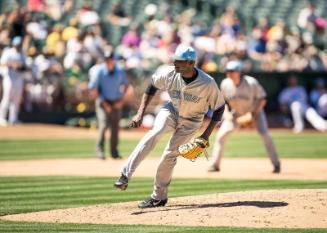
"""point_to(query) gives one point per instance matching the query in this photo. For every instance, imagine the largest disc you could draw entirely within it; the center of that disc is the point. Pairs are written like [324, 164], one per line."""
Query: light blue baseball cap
[234, 66]
[184, 53]
[17, 40]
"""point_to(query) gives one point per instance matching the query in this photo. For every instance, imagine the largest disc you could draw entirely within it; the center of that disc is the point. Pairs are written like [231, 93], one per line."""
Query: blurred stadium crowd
[61, 40]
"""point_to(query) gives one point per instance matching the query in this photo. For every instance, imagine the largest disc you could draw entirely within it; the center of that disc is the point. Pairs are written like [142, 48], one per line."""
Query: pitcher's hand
[136, 121]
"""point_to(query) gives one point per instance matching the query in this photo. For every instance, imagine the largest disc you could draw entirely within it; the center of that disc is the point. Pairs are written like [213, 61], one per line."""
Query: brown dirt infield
[42, 131]
[273, 208]
[254, 168]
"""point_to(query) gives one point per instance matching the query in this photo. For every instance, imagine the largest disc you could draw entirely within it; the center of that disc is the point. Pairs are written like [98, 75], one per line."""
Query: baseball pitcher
[245, 100]
[192, 93]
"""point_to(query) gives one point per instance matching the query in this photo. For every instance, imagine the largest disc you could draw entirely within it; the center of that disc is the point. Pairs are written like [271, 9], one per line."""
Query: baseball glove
[245, 121]
[191, 150]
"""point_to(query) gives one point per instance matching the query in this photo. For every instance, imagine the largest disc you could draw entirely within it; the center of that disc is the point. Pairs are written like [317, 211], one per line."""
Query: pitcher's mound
[298, 208]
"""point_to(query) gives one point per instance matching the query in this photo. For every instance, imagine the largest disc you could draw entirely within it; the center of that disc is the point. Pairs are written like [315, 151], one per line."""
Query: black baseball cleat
[122, 182]
[276, 169]
[116, 157]
[213, 168]
[151, 203]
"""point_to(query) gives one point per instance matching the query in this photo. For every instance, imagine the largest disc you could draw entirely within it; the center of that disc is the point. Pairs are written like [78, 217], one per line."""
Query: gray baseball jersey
[242, 98]
[193, 100]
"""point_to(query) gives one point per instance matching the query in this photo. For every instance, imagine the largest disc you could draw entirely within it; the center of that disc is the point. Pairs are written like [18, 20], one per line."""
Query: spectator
[277, 31]
[4, 37]
[73, 48]
[118, 16]
[256, 45]
[37, 29]
[131, 38]
[263, 26]
[293, 99]
[54, 41]
[56, 8]
[35, 5]
[87, 16]
[16, 21]
[320, 38]
[108, 85]
[307, 15]
[77, 83]
[229, 29]
[230, 22]
[92, 44]
[71, 31]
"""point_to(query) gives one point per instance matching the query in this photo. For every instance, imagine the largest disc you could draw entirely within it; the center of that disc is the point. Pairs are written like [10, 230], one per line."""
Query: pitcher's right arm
[146, 99]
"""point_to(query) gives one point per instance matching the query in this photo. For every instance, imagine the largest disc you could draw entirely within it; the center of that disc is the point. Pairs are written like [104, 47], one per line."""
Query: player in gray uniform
[12, 64]
[192, 93]
[243, 95]
[294, 99]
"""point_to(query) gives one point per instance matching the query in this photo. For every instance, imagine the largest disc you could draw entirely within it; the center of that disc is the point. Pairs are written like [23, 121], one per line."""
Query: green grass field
[92, 228]
[29, 194]
[309, 145]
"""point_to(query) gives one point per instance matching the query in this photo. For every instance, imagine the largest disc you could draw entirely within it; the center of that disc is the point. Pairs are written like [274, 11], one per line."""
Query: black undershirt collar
[189, 80]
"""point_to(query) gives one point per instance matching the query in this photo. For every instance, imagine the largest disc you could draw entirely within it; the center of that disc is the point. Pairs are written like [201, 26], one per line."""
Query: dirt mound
[272, 208]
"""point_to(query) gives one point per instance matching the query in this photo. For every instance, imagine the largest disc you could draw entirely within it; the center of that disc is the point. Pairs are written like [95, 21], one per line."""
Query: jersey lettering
[191, 98]
[175, 94]
[238, 97]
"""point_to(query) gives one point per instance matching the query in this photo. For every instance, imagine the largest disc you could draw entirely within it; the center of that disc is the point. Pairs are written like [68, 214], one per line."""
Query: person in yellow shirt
[71, 31]
[54, 41]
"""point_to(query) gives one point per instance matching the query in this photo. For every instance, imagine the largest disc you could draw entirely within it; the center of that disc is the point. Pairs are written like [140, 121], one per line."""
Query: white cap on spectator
[234, 66]
[150, 9]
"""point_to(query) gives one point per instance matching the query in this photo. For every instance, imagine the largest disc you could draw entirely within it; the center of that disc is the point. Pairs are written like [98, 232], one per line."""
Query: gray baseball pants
[166, 121]
[229, 125]
[104, 121]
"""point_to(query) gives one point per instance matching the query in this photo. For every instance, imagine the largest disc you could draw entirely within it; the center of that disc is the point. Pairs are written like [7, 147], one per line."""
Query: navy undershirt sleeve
[218, 113]
[151, 89]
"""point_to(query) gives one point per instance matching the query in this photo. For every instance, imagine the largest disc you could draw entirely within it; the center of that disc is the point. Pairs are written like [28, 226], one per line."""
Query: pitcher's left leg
[168, 161]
